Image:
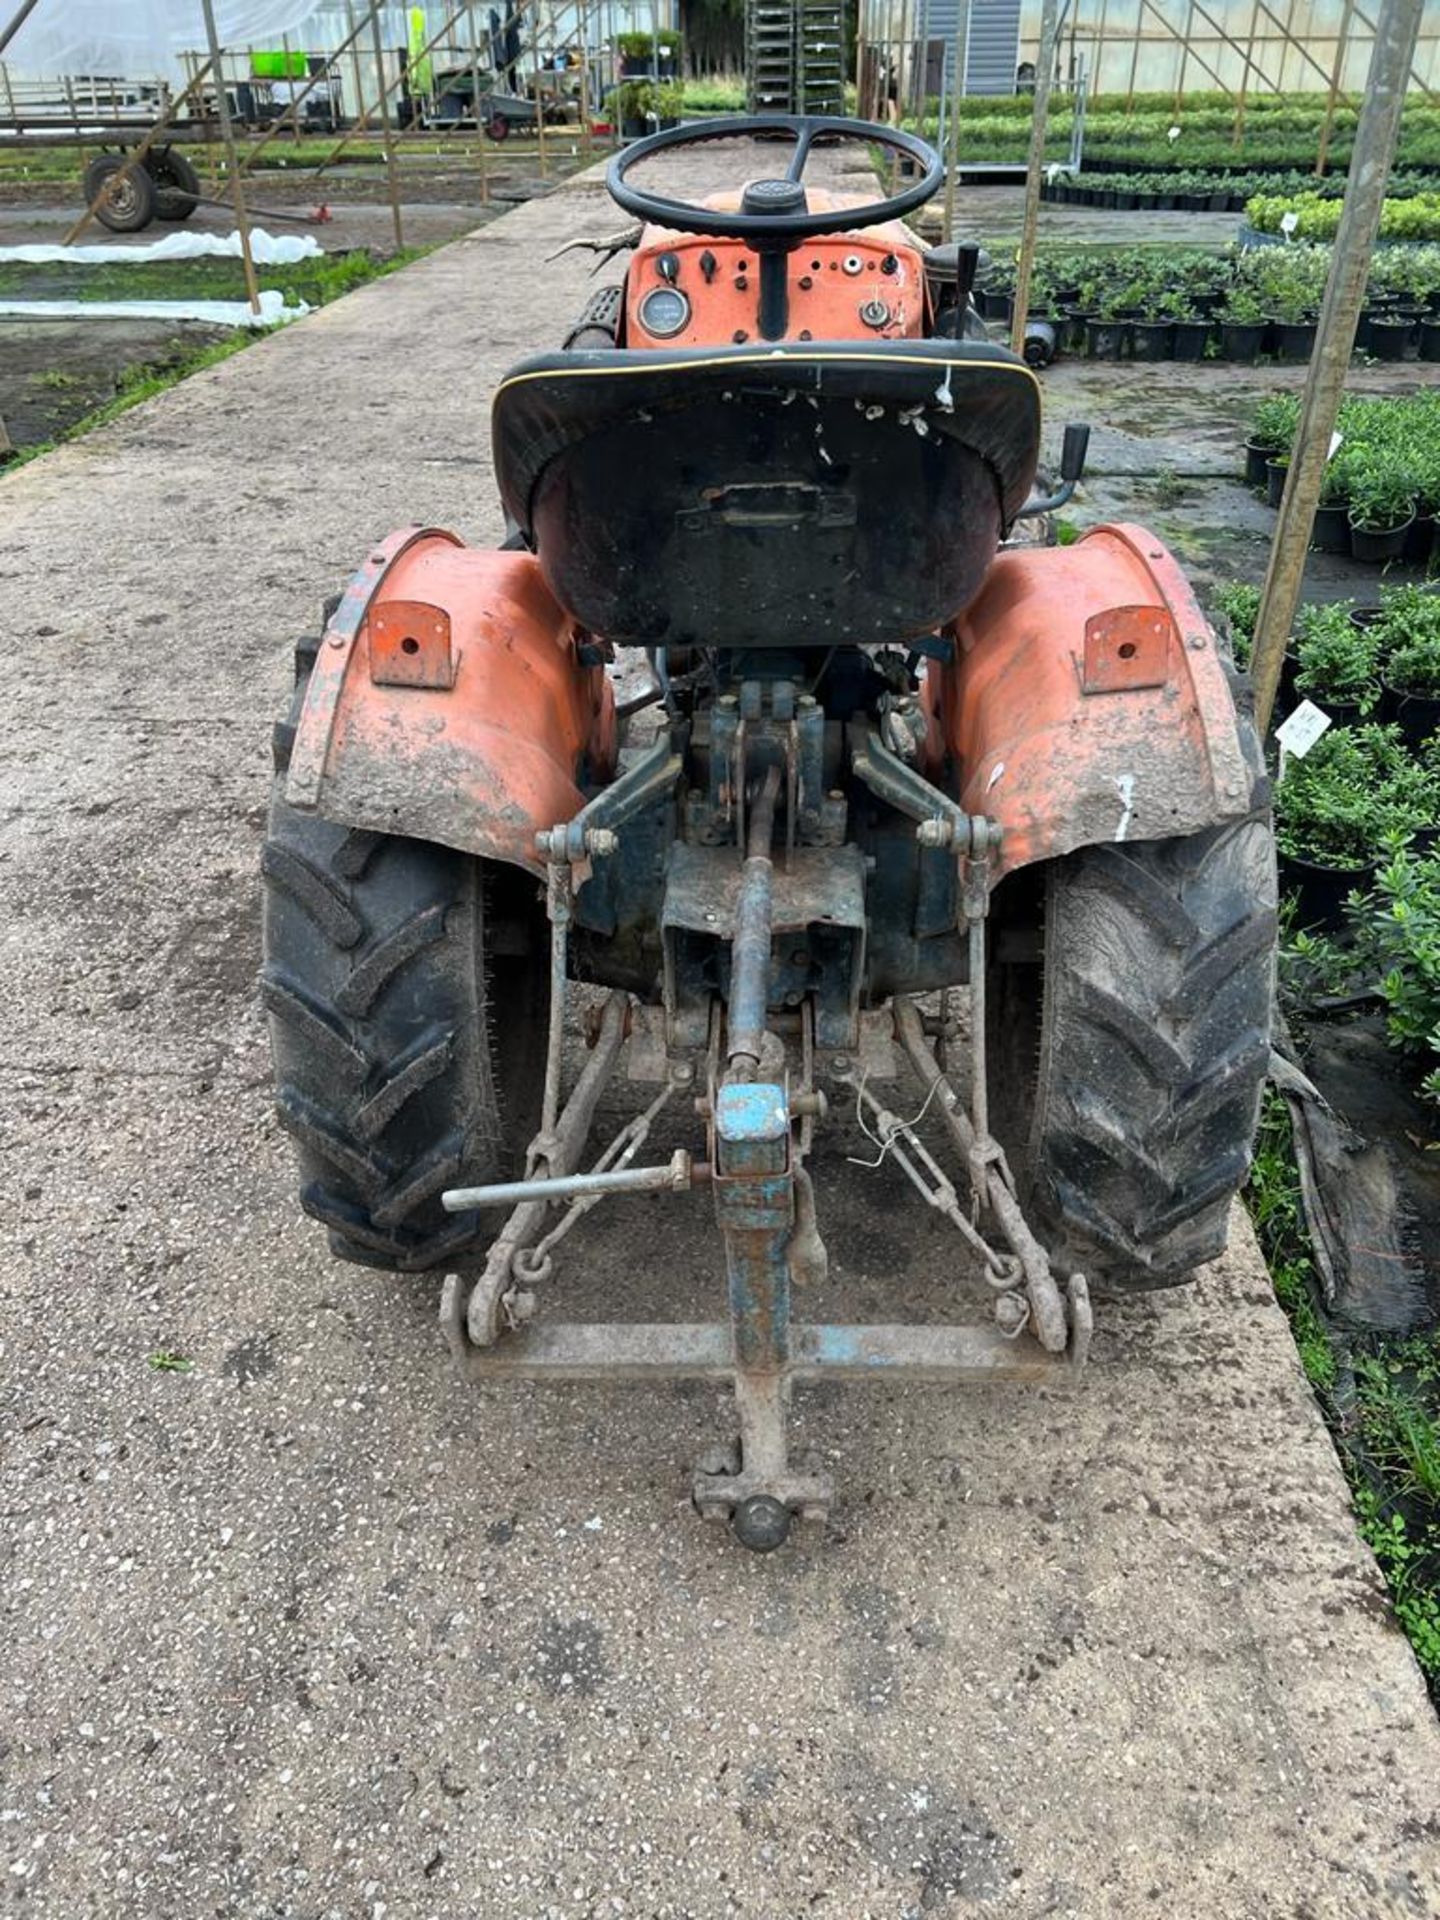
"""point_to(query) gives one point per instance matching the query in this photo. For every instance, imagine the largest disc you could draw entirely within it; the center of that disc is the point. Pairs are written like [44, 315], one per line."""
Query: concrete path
[313, 1629]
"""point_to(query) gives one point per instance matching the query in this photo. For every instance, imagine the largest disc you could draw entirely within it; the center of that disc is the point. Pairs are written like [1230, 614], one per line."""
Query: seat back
[789, 496]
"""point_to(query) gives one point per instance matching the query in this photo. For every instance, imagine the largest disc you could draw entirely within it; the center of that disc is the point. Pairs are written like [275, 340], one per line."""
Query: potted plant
[1189, 332]
[1242, 324]
[1271, 434]
[669, 102]
[634, 108]
[1382, 506]
[1408, 636]
[1107, 334]
[1334, 809]
[635, 50]
[1327, 825]
[1338, 663]
[1331, 531]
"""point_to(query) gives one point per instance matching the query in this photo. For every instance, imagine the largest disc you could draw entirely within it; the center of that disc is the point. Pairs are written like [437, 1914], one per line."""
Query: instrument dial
[664, 312]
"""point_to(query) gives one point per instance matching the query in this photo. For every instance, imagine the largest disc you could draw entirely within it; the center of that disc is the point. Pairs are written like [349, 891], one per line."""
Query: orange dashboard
[686, 290]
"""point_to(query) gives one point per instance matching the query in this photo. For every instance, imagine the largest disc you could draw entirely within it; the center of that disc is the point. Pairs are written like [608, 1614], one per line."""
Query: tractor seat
[752, 496]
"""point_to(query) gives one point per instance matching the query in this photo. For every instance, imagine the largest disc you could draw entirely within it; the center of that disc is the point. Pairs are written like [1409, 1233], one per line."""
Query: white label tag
[1303, 728]
[1173, 135]
[1337, 440]
[1288, 223]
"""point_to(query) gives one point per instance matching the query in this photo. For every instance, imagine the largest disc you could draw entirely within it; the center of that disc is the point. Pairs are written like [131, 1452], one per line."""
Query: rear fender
[449, 702]
[1087, 701]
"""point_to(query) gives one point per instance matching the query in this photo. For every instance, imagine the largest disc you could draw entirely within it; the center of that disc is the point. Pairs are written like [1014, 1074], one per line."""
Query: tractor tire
[126, 192]
[407, 1023]
[1128, 1048]
[177, 185]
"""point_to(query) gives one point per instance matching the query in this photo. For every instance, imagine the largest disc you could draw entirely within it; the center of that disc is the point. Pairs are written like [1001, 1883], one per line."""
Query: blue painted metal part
[755, 1208]
[751, 1112]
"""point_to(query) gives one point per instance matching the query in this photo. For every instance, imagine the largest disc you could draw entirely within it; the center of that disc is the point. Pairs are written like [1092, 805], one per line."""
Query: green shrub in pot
[1338, 663]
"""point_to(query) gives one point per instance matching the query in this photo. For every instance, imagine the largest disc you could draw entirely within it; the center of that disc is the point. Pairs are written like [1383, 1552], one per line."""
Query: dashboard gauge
[664, 312]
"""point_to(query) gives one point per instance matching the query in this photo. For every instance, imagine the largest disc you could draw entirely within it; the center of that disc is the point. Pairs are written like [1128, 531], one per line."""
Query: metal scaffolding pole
[1044, 72]
[1375, 137]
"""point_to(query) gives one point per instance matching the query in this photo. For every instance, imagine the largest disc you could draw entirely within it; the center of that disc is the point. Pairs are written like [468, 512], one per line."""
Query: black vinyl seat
[793, 494]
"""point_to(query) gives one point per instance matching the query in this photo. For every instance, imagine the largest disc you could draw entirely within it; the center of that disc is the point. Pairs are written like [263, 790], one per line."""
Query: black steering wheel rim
[683, 216]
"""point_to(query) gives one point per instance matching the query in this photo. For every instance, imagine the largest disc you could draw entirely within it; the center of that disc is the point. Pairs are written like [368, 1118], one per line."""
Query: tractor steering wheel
[773, 213]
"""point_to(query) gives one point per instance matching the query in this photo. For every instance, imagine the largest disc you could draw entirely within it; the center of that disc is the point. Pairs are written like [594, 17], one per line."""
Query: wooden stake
[232, 167]
[1375, 137]
[1034, 174]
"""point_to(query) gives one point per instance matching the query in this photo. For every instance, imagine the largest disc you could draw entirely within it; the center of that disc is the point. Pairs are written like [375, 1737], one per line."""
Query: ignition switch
[875, 313]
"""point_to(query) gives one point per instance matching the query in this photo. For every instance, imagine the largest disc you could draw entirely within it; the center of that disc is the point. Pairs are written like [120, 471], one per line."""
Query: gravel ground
[311, 1628]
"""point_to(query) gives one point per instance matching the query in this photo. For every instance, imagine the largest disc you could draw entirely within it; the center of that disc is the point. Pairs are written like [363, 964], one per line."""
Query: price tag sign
[1288, 223]
[1303, 728]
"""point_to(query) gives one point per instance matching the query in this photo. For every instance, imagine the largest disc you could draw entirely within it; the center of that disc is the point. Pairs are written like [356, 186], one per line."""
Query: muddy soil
[53, 372]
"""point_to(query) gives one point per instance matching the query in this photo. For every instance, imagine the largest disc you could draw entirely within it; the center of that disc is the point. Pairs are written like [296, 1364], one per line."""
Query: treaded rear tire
[1129, 1063]
[404, 1025]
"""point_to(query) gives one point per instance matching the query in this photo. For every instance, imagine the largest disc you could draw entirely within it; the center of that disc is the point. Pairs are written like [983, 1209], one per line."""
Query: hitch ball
[761, 1523]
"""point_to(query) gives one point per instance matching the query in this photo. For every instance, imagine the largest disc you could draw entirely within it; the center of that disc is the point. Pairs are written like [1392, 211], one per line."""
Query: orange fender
[1087, 701]
[448, 702]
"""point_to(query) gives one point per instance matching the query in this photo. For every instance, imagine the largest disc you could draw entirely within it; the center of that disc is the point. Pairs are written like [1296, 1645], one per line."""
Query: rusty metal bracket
[410, 645]
[1127, 648]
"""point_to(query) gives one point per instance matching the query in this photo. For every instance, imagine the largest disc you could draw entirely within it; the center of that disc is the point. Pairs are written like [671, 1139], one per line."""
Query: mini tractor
[905, 818]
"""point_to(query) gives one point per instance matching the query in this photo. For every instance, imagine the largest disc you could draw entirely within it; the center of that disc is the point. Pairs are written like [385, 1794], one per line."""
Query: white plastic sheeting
[142, 37]
[266, 250]
[216, 313]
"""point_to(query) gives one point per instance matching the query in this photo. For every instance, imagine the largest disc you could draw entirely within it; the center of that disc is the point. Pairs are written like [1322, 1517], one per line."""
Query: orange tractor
[879, 754]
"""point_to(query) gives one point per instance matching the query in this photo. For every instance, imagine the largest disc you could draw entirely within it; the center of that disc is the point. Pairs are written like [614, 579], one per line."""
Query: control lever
[1073, 450]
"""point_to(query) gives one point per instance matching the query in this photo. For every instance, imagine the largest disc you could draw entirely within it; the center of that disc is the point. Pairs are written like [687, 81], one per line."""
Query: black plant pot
[1127, 202]
[1374, 545]
[1151, 339]
[1207, 303]
[1416, 714]
[1332, 530]
[1105, 339]
[1286, 698]
[1320, 891]
[1420, 541]
[1294, 339]
[993, 306]
[1276, 474]
[1343, 713]
[1219, 202]
[635, 129]
[1072, 331]
[1257, 459]
[1241, 340]
[1388, 339]
[1430, 339]
[1190, 339]
[1363, 618]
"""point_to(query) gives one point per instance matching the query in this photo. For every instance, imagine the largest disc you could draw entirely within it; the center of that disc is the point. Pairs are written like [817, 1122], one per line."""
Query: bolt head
[761, 1523]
